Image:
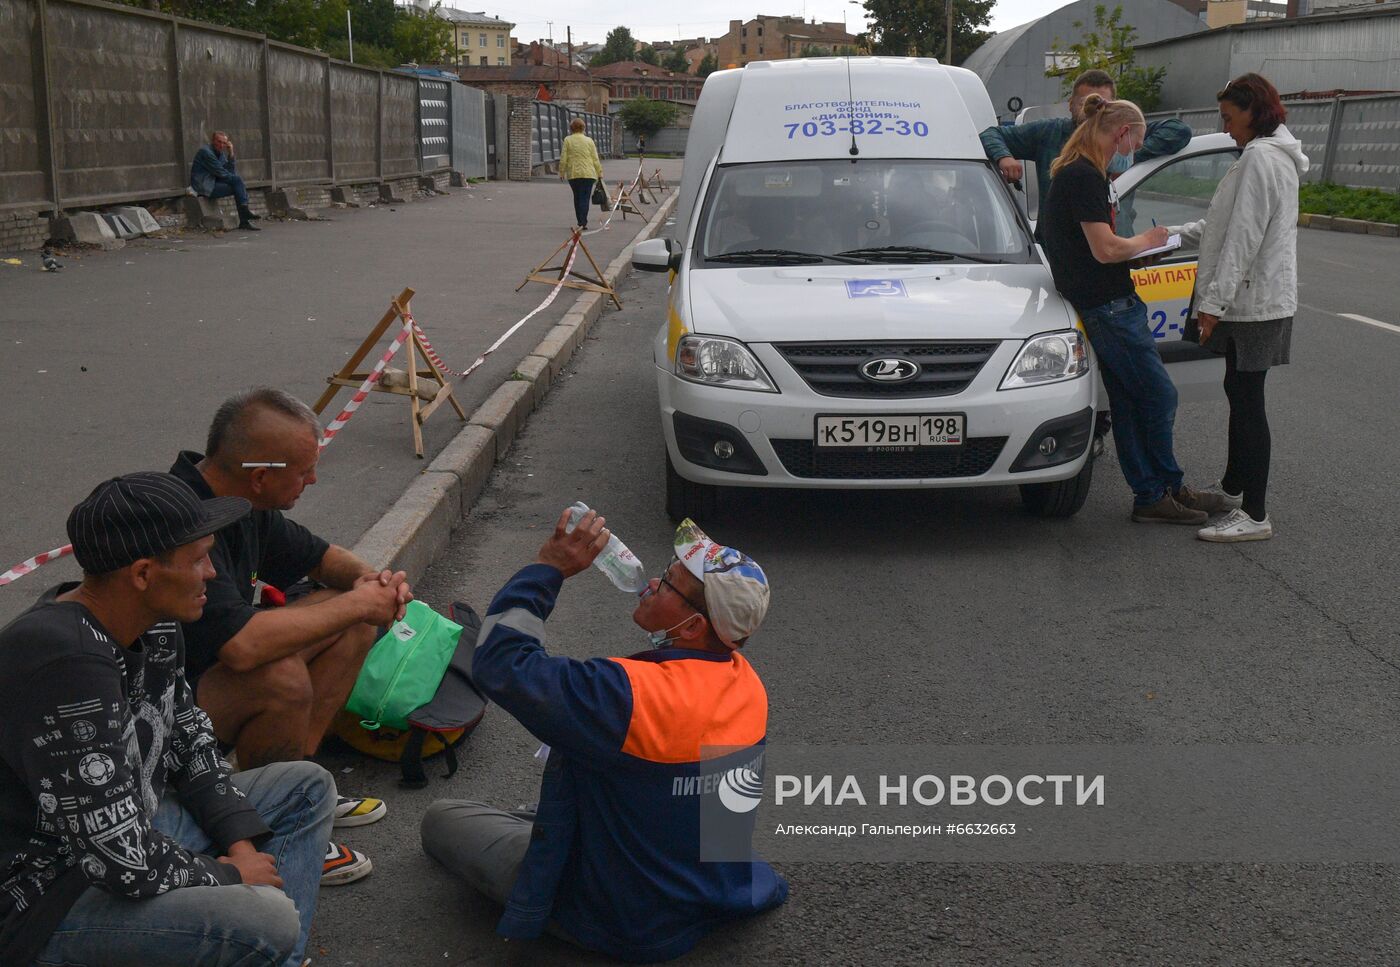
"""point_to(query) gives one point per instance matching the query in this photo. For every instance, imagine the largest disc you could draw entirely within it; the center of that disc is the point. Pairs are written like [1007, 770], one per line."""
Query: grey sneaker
[1212, 501]
[1168, 511]
[1232, 501]
[1237, 526]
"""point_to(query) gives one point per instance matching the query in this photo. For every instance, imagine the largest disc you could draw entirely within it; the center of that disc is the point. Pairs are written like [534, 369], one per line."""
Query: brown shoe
[1168, 511]
[1211, 503]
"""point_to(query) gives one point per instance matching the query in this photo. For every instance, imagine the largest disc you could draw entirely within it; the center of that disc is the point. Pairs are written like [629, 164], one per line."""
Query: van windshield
[880, 210]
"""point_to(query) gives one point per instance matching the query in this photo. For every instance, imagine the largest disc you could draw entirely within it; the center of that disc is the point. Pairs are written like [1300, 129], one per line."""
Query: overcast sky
[704, 18]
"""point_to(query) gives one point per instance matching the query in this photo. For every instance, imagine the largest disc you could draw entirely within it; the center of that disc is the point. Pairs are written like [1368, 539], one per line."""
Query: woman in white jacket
[1247, 289]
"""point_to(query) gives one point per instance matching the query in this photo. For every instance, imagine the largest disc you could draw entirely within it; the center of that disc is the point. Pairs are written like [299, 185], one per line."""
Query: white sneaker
[1231, 501]
[1237, 526]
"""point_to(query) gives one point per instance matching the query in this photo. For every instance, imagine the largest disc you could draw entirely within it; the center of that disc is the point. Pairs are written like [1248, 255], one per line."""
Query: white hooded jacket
[1248, 268]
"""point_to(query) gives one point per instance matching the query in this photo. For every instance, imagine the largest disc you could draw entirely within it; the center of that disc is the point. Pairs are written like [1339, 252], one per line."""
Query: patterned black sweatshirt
[92, 735]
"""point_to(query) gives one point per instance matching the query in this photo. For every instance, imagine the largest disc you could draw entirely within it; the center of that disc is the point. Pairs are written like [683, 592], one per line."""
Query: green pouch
[404, 668]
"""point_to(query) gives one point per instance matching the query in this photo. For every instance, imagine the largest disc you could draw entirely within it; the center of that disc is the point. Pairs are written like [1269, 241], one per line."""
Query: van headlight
[717, 361]
[1048, 358]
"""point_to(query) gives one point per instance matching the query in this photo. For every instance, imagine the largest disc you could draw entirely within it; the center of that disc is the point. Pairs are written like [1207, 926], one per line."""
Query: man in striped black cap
[114, 798]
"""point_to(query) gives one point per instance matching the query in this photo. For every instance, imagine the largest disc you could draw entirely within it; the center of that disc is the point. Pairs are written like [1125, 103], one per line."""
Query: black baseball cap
[141, 515]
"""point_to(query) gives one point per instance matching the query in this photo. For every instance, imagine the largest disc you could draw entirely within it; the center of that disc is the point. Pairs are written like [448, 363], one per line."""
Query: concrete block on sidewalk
[416, 528]
[389, 195]
[120, 227]
[140, 219]
[504, 412]
[1354, 226]
[1384, 229]
[201, 212]
[89, 228]
[536, 371]
[288, 203]
[470, 457]
[345, 195]
[456, 179]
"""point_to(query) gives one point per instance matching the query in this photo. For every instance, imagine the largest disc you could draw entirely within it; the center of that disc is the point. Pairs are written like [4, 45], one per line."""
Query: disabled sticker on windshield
[875, 289]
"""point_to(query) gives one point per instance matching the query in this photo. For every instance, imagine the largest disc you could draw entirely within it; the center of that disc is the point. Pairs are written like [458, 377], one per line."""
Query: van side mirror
[656, 255]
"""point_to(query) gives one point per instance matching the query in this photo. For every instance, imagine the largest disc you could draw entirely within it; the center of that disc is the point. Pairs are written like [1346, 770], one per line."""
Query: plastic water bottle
[616, 561]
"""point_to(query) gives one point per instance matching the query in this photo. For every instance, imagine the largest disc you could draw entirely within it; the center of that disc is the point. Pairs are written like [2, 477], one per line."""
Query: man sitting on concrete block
[214, 174]
[273, 678]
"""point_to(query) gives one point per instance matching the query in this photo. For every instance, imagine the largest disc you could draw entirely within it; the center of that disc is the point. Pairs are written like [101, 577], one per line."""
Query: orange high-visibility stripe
[681, 706]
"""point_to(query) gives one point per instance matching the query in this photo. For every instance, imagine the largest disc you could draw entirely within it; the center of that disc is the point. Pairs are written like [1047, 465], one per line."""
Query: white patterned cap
[736, 589]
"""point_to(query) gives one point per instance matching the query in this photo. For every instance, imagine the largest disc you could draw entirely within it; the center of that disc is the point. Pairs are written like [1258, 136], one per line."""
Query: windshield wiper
[914, 253]
[780, 254]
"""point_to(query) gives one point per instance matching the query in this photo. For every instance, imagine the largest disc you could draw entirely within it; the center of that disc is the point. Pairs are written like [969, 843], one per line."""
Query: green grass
[1370, 204]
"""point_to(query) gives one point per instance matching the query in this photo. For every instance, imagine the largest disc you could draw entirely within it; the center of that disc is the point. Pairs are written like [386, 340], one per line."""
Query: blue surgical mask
[660, 639]
[1120, 163]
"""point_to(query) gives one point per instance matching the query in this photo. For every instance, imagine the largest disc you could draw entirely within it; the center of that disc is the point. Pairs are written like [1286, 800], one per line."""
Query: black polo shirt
[264, 546]
[1079, 193]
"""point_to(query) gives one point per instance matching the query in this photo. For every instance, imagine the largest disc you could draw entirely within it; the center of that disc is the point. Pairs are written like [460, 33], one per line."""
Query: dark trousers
[1141, 397]
[1247, 466]
[234, 186]
[583, 196]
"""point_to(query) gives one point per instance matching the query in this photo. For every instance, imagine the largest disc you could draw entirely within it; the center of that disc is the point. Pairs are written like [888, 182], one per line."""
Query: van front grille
[833, 368]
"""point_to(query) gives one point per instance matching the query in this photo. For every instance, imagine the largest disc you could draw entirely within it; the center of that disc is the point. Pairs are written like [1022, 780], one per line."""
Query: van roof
[891, 107]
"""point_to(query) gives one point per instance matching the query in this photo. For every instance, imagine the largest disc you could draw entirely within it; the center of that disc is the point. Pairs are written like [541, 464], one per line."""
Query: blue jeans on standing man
[216, 926]
[1141, 397]
[235, 187]
[583, 197]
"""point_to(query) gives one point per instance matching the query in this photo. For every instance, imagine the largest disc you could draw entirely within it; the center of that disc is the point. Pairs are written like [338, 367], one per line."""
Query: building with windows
[632, 78]
[777, 38]
[481, 41]
[569, 86]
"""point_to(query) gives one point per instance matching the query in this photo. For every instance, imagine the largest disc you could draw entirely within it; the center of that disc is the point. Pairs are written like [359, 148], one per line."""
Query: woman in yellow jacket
[580, 166]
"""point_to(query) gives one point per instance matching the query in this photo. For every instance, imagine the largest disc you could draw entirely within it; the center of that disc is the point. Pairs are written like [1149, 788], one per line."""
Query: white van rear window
[875, 210]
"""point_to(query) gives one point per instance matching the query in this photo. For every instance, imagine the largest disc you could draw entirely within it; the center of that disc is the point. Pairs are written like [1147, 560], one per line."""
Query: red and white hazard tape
[336, 425]
[344, 417]
[618, 201]
[34, 563]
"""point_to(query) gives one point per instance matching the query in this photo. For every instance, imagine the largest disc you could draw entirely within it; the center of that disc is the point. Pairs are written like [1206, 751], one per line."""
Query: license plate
[880, 434]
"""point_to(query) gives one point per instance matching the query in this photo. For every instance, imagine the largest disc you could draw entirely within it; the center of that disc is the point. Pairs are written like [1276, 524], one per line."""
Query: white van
[856, 299]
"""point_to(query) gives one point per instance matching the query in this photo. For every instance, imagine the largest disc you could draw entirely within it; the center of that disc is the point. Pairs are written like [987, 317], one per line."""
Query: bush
[1370, 204]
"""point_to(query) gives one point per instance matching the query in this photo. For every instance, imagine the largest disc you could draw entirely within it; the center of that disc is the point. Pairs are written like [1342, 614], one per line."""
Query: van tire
[684, 498]
[1061, 499]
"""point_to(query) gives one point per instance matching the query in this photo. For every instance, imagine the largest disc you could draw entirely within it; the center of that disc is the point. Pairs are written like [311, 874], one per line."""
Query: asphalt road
[954, 618]
[120, 359]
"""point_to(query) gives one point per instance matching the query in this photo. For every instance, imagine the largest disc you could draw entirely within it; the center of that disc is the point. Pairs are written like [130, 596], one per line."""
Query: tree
[1108, 46]
[919, 28]
[675, 61]
[644, 117]
[421, 38]
[707, 66]
[647, 55]
[619, 46]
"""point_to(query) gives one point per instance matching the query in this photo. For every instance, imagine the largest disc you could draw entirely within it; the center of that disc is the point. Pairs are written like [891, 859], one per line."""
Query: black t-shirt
[1080, 194]
[264, 546]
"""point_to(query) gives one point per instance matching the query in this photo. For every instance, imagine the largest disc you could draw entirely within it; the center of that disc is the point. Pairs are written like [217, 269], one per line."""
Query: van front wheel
[1063, 498]
[685, 498]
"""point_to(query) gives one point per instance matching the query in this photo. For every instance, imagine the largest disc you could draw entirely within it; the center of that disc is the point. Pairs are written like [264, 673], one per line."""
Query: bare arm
[340, 569]
[1108, 247]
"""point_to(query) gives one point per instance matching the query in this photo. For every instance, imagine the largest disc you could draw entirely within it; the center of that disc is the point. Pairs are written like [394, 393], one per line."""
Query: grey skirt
[1258, 345]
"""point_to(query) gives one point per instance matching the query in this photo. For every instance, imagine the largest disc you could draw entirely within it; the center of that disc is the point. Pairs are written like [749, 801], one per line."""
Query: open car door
[1171, 191]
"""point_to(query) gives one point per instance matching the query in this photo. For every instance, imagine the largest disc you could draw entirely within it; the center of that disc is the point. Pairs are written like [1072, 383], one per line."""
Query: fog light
[724, 449]
[1047, 446]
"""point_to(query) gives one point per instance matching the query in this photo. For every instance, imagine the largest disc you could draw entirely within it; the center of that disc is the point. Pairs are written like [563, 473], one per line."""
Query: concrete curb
[1354, 226]
[414, 531]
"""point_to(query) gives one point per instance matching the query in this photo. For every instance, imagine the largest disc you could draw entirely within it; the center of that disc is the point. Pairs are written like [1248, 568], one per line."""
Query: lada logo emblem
[891, 370]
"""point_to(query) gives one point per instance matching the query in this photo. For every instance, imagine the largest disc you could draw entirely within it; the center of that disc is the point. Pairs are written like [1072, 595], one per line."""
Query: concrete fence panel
[400, 126]
[355, 121]
[300, 109]
[23, 142]
[115, 120]
[221, 78]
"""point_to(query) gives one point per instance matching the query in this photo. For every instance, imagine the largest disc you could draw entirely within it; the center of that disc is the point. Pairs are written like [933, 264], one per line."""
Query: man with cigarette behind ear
[273, 678]
[635, 850]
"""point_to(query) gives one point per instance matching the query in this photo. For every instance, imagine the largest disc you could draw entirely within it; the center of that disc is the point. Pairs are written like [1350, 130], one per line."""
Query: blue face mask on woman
[1120, 162]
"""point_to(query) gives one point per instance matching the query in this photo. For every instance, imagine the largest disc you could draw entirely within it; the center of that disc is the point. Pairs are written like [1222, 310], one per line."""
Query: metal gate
[469, 131]
[490, 104]
[434, 125]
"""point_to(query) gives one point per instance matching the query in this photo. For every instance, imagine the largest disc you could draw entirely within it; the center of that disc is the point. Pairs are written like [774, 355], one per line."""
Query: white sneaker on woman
[1237, 526]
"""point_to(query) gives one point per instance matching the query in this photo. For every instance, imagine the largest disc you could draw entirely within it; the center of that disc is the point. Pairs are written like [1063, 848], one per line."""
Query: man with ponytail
[1090, 265]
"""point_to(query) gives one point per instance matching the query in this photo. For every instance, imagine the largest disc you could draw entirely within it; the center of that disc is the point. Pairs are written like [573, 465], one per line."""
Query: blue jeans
[216, 926]
[234, 186]
[583, 197]
[1141, 397]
